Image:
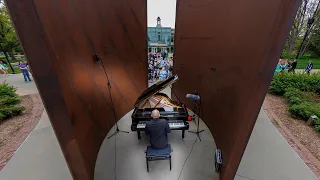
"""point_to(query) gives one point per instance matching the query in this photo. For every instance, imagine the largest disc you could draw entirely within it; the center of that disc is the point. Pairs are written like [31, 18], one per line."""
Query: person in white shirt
[3, 68]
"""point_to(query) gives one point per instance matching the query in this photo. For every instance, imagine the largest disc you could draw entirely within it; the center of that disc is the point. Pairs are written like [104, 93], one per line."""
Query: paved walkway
[313, 71]
[39, 157]
[267, 157]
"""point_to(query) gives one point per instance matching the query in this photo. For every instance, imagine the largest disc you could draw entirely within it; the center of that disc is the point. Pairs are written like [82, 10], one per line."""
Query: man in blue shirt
[157, 129]
[162, 62]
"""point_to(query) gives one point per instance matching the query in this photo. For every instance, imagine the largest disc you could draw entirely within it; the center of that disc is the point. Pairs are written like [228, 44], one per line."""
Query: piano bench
[158, 154]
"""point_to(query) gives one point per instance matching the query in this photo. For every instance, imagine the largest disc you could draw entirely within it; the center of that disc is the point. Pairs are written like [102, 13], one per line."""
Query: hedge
[302, 91]
[304, 104]
[303, 82]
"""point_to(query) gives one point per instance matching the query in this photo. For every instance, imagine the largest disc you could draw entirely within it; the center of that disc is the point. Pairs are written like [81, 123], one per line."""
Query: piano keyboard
[172, 124]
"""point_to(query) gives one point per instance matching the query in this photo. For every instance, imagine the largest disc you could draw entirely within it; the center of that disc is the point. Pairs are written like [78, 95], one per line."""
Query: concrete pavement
[268, 156]
[40, 156]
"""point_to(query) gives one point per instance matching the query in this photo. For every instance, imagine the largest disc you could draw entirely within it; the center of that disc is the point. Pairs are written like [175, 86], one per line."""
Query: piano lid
[159, 86]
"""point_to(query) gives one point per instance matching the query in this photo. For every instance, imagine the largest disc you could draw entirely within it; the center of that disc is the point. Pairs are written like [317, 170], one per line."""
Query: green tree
[314, 46]
[8, 38]
[311, 43]
[307, 9]
[297, 28]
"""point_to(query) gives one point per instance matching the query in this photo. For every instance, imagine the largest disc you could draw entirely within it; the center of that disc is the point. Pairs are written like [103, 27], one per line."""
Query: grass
[3, 58]
[303, 61]
[16, 70]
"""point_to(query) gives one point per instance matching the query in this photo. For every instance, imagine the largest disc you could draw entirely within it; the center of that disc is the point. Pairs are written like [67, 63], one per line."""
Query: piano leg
[182, 134]
[139, 135]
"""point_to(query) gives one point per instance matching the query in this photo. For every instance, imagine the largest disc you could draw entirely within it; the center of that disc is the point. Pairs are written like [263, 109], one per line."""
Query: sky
[166, 9]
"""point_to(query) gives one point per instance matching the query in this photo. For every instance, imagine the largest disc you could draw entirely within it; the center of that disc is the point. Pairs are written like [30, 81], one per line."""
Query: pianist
[157, 129]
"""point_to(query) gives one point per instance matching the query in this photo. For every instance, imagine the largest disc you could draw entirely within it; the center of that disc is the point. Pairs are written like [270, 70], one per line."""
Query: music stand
[198, 123]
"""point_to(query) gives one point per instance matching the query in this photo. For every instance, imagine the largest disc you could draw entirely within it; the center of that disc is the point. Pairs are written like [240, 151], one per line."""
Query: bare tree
[297, 27]
[313, 13]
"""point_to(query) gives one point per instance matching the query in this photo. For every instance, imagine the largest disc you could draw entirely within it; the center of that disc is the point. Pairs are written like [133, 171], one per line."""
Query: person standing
[163, 74]
[28, 68]
[164, 54]
[156, 69]
[24, 69]
[283, 66]
[3, 68]
[278, 68]
[309, 67]
[150, 72]
[293, 66]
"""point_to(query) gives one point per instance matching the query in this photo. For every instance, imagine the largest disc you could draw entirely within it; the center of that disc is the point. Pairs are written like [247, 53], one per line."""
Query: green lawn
[3, 58]
[303, 61]
[16, 70]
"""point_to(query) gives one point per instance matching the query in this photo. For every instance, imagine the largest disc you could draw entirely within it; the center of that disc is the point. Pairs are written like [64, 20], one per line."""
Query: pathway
[39, 157]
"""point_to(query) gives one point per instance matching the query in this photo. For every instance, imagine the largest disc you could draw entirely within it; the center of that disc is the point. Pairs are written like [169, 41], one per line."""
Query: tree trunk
[305, 46]
[5, 54]
[290, 47]
[12, 56]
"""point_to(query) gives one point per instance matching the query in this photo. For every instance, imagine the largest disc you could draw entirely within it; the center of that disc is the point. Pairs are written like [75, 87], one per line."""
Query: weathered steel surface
[227, 50]
[60, 38]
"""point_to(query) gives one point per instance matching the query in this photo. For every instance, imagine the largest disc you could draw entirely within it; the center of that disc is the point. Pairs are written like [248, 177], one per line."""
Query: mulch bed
[302, 138]
[15, 130]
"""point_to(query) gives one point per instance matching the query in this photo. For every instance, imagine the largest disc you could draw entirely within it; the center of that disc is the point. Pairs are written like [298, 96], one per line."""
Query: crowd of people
[284, 65]
[160, 66]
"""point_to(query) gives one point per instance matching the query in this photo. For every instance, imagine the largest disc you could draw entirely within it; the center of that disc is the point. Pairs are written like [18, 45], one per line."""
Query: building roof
[157, 44]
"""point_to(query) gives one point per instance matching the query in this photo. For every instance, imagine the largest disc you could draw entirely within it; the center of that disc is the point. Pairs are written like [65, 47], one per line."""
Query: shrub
[2, 116]
[305, 109]
[6, 90]
[303, 104]
[302, 91]
[11, 111]
[9, 98]
[303, 82]
[293, 92]
[317, 124]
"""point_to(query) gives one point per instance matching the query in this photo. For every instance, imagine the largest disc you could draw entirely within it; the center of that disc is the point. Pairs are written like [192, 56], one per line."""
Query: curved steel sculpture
[224, 50]
[227, 51]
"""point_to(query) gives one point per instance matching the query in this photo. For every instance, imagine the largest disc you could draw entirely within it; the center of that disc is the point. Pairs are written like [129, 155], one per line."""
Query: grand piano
[174, 112]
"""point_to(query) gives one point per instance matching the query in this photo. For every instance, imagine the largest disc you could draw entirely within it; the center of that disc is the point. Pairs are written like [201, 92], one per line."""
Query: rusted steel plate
[60, 38]
[227, 50]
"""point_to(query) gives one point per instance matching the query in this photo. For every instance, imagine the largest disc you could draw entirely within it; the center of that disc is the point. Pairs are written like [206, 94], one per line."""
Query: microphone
[193, 97]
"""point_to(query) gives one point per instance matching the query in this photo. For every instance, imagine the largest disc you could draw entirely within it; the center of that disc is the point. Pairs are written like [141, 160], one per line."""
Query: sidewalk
[39, 157]
[268, 156]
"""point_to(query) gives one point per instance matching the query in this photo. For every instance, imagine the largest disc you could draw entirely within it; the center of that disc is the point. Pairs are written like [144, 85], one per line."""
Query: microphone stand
[194, 104]
[97, 58]
[198, 123]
